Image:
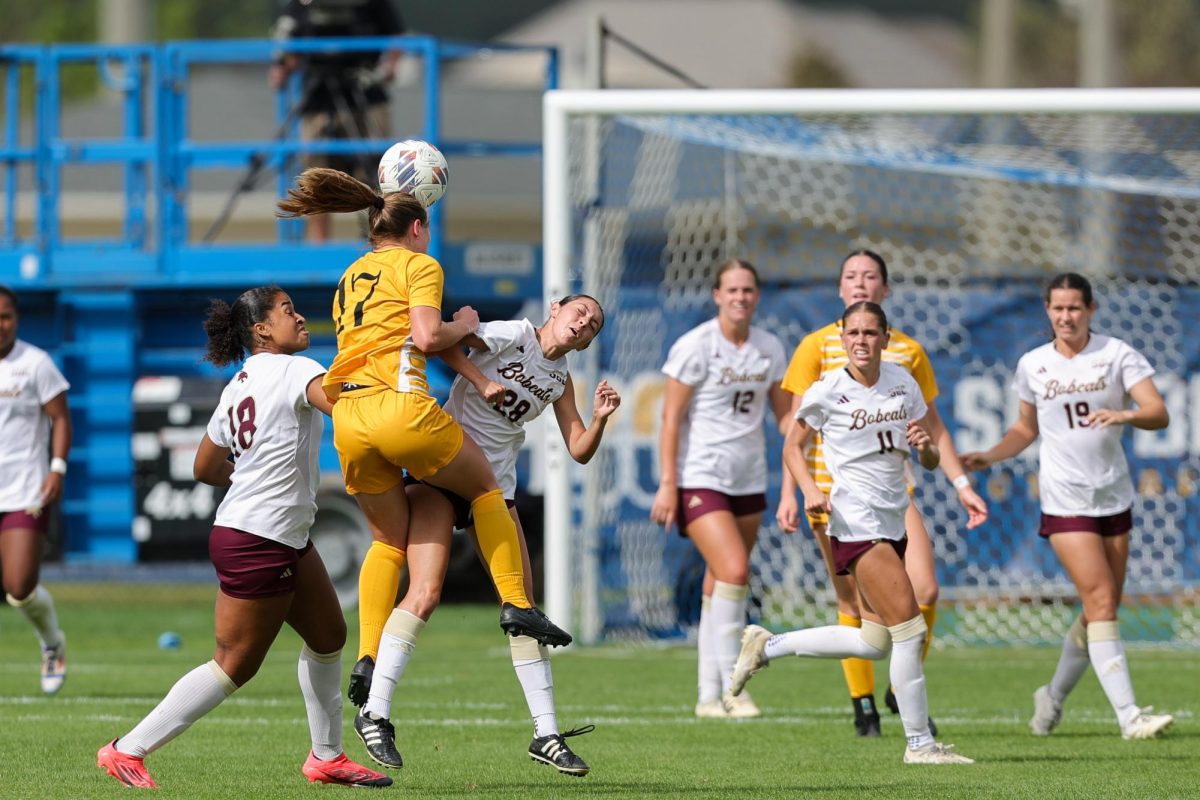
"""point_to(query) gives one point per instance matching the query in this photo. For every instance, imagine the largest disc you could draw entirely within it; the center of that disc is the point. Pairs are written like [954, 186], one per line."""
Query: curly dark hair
[230, 328]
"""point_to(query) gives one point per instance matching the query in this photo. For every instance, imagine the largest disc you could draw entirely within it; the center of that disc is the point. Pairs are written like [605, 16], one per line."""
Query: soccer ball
[415, 167]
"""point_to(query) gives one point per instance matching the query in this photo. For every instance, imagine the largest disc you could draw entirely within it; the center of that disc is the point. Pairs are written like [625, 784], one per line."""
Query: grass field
[463, 728]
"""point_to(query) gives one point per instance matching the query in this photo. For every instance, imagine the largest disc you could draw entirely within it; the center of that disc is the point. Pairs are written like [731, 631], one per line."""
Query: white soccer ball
[415, 167]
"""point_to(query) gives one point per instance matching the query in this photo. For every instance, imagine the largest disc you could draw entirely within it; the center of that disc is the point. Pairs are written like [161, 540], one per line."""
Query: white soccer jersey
[28, 380]
[1083, 471]
[866, 449]
[721, 443]
[532, 382]
[265, 418]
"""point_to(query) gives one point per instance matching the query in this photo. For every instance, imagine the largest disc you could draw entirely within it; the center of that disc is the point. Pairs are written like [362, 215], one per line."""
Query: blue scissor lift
[114, 309]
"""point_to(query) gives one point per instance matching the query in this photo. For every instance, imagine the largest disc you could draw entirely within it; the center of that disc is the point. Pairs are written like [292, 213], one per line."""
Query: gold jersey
[374, 327]
[822, 351]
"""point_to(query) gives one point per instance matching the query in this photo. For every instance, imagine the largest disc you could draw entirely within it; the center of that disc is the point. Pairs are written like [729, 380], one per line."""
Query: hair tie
[379, 202]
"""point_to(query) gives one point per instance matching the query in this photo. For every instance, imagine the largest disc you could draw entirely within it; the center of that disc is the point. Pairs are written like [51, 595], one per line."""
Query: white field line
[72, 709]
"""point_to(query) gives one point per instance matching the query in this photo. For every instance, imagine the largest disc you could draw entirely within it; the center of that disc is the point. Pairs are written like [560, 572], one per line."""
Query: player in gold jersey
[387, 316]
[864, 277]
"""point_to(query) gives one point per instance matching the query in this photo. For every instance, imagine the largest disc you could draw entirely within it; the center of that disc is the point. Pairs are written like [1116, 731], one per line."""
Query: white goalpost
[975, 198]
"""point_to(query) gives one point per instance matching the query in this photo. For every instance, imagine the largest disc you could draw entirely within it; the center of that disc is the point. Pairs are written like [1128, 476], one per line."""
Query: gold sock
[497, 537]
[378, 585]
[859, 672]
[930, 614]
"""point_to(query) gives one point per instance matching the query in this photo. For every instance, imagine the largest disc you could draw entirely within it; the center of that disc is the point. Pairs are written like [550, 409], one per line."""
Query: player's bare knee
[423, 599]
[733, 574]
[19, 592]
[927, 593]
[238, 664]
[1100, 605]
[328, 638]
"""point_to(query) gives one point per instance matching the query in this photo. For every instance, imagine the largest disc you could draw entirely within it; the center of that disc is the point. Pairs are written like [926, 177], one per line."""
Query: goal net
[975, 199]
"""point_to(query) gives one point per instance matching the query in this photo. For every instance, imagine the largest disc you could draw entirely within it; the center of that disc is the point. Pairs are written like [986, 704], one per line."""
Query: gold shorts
[379, 434]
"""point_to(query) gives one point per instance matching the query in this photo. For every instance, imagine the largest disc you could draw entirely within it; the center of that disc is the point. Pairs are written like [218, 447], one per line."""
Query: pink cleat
[129, 770]
[343, 771]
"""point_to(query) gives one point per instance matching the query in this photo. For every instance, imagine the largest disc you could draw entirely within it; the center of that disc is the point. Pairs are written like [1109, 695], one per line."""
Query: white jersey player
[864, 429]
[1083, 471]
[721, 442]
[507, 353]
[869, 415]
[269, 421]
[522, 370]
[264, 418]
[34, 422]
[1075, 394]
[713, 468]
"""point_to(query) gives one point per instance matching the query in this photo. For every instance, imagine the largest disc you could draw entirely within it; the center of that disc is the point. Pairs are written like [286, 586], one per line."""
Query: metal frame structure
[107, 308]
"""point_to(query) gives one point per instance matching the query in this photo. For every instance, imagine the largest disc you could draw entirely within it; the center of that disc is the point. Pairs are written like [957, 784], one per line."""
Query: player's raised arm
[1024, 432]
[583, 440]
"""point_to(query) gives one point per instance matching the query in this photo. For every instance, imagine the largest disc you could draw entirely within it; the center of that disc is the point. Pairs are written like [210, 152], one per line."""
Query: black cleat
[889, 700]
[379, 737]
[553, 750]
[533, 623]
[360, 681]
[866, 716]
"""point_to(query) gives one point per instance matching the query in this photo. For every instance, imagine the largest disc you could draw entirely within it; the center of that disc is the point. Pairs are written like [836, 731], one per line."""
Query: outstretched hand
[977, 510]
[605, 401]
[787, 513]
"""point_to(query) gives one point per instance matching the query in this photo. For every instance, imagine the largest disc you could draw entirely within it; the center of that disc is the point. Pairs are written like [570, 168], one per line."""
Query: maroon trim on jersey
[249, 566]
[1117, 524]
[25, 521]
[693, 504]
[844, 553]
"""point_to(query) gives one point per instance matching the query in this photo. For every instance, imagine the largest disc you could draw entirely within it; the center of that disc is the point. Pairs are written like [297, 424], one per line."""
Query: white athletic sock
[708, 671]
[908, 680]
[395, 647]
[1072, 663]
[1108, 659]
[531, 662]
[728, 608]
[830, 641]
[192, 696]
[320, 677]
[38, 608]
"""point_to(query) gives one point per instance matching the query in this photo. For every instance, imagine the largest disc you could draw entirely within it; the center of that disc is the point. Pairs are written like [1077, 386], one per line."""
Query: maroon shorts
[250, 566]
[462, 509]
[1117, 524]
[695, 503]
[844, 553]
[23, 520]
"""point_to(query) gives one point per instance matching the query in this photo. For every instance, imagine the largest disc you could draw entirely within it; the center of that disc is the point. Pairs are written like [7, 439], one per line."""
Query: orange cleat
[343, 771]
[129, 770]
